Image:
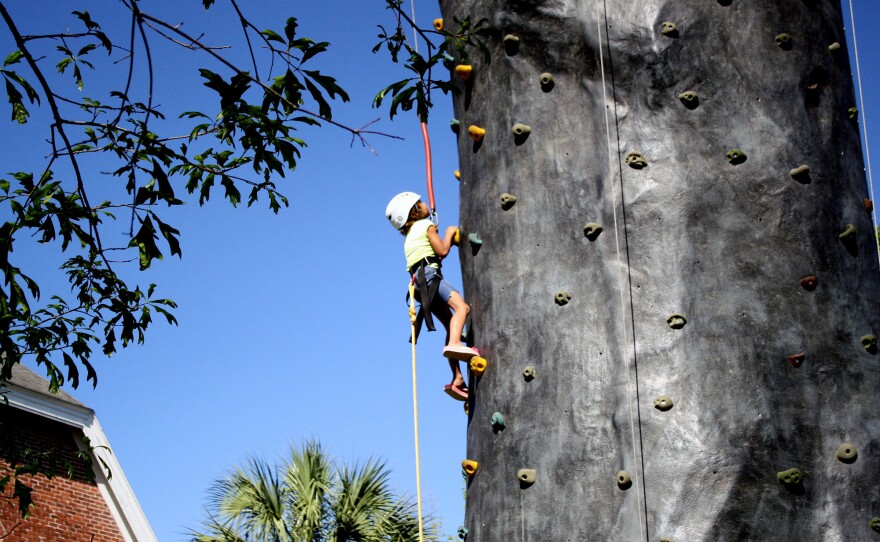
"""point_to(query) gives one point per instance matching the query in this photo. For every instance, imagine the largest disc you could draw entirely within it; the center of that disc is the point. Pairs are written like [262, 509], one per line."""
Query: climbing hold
[784, 41]
[676, 321]
[526, 476]
[476, 132]
[636, 160]
[438, 25]
[470, 466]
[457, 237]
[689, 99]
[464, 71]
[848, 233]
[875, 524]
[511, 44]
[669, 29]
[847, 453]
[801, 173]
[809, 283]
[663, 403]
[478, 365]
[797, 359]
[521, 133]
[870, 343]
[498, 423]
[736, 156]
[624, 480]
[507, 201]
[462, 533]
[869, 205]
[457, 174]
[725, 2]
[853, 113]
[529, 373]
[475, 240]
[592, 230]
[448, 59]
[834, 46]
[547, 82]
[467, 409]
[455, 125]
[790, 477]
[562, 298]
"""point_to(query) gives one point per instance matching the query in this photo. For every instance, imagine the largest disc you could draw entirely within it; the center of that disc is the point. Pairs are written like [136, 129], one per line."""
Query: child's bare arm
[441, 246]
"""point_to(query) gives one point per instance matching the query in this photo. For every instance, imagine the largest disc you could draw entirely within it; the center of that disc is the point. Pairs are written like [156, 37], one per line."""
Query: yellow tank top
[417, 246]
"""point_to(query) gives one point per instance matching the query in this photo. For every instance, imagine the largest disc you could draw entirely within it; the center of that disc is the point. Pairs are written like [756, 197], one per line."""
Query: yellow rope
[412, 320]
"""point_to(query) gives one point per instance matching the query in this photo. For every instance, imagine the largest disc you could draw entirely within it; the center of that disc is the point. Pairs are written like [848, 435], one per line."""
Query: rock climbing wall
[670, 262]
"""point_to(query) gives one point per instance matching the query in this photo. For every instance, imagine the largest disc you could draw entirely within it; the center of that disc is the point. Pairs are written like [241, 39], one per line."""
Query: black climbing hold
[592, 231]
[562, 298]
[676, 321]
[507, 201]
[455, 125]
[689, 99]
[529, 373]
[848, 233]
[498, 422]
[736, 156]
[526, 477]
[784, 41]
[809, 283]
[801, 174]
[663, 403]
[636, 160]
[624, 480]
[547, 82]
[511, 44]
[520, 133]
[847, 453]
[790, 477]
[668, 29]
[870, 343]
[797, 360]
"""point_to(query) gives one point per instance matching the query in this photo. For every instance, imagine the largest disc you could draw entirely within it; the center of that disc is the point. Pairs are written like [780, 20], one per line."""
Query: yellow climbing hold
[438, 24]
[457, 174]
[476, 132]
[464, 71]
[478, 365]
[470, 466]
[457, 237]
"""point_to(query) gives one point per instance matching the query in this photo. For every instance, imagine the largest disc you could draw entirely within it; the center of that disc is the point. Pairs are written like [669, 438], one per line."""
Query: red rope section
[428, 168]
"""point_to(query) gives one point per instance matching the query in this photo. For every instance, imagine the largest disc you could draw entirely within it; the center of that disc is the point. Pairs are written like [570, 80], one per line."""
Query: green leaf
[86, 19]
[145, 241]
[271, 35]
[19, 111]
[207, 3]
[13, 58]
[170, 234]
[314, 50]
[290, 29]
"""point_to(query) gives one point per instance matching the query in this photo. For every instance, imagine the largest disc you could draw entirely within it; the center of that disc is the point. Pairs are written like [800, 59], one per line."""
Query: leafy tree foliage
[308, 498]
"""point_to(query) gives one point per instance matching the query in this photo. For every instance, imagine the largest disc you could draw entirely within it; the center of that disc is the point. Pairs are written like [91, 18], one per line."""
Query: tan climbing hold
[800, 171]
[834, 46]
[527, 476]
[624, 480]
[507, 201]
[663, 403]
[476, 132]
[847, 453]
[464, 71]
[470, 466]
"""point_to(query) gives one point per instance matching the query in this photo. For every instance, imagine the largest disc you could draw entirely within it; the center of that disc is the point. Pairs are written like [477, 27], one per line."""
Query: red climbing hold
[797, 359]
[810, 283]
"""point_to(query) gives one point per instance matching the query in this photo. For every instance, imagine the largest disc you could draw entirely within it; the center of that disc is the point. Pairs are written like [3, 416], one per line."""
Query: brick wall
[67, 509]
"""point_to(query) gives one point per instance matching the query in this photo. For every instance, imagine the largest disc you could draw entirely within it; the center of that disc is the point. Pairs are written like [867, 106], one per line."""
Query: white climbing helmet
[398, 208]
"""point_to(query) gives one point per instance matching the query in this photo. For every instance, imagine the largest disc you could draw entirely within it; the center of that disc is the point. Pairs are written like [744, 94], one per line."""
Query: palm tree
[309, 498]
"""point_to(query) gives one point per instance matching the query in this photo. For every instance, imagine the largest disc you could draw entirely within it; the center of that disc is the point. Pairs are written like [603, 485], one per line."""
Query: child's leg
[447, 318]
[459, 317]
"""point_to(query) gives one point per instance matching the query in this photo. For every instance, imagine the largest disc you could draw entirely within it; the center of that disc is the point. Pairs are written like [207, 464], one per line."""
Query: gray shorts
[444, 290]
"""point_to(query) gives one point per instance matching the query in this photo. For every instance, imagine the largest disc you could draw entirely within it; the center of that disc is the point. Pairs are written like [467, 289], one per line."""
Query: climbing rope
[412, 320]
[864, 119]
[600, 16]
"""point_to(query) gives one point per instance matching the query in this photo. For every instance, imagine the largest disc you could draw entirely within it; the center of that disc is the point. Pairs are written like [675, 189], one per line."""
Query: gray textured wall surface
[725, 245]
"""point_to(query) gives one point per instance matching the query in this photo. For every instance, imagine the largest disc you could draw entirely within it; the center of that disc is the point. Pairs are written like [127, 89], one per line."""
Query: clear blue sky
[293, 326]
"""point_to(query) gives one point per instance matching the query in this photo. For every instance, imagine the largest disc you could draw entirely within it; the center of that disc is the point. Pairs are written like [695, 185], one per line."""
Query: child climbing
[424, 249]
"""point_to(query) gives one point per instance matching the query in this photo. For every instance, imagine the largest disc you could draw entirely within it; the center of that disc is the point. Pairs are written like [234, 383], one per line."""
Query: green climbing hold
[562, 298]
[527, 476]
[624, 480]
[507, 201]
[784, 41]
[875, 524]
[636, 161]
[592, 231]
[676, 321]
[669, 29]
[663, 403]
[498, 422]
[848, 233]
[455, 125]
[790, 477]
[736, 156]
[462, 533]
[847, 453]
[475, 240]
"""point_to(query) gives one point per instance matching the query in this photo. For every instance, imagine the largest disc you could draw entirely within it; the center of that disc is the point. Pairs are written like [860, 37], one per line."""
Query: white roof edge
[117, 492]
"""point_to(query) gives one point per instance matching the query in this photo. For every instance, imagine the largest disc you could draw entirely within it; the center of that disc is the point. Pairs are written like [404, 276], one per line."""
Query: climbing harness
[427, 289]
[852, 19]
[412, 320]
